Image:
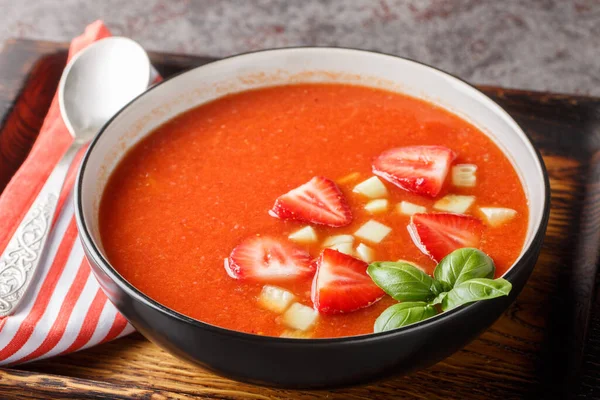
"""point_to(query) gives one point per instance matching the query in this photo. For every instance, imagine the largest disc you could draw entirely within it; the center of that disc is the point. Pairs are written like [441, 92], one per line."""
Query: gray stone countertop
[546, 45]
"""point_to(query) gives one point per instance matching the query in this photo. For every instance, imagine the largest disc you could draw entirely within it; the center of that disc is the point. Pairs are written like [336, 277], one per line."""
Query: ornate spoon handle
[20, 260]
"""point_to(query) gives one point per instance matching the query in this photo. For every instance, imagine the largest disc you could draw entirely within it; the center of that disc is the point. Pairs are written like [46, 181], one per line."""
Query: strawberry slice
[265, 259]
[439, 234]
[319, 201]
[341, 284]
[418, 169]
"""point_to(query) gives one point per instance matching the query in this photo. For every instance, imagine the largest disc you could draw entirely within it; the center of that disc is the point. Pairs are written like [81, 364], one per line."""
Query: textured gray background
[549, 45]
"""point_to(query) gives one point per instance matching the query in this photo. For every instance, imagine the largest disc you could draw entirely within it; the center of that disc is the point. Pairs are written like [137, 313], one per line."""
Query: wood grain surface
[27, 85]
[533, 351]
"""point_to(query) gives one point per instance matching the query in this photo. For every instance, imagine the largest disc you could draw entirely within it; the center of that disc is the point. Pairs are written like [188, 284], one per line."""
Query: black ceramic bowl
[306, 363]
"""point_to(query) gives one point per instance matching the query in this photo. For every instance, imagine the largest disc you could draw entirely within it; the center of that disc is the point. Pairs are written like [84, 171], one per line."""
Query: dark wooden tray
[537, 349]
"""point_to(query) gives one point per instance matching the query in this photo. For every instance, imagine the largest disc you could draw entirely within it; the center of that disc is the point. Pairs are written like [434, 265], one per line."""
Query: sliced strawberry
[319, 201]
[265, 259]
[341, 284]
[418, 169]
[439, 234]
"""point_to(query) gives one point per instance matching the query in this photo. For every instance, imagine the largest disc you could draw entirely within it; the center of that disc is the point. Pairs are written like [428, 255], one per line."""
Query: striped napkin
[64, 310]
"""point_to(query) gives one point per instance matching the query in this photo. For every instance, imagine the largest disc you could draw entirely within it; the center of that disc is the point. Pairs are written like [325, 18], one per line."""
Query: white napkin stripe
[109, 312]
[128, 329]
[77, 316]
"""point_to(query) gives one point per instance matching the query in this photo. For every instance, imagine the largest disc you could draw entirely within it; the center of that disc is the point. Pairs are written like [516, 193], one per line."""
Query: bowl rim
[97, 258]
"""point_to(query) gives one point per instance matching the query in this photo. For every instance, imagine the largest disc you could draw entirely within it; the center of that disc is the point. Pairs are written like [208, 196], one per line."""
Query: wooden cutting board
[537, 349]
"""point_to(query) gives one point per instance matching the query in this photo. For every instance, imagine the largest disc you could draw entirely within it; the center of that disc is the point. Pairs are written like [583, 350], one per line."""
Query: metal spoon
[95, 84]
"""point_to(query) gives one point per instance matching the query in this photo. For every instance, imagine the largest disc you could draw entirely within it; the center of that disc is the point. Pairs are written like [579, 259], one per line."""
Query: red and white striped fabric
[65, 309]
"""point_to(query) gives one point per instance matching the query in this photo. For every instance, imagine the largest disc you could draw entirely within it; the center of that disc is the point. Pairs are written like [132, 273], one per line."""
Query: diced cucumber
[496, 216]
[408, 208]
[377, 206]
[365, 253]
[345, 248]
[373, 231]
[304, 235]
[341, 243]
[464, 175]
[275, 299]
[337, 239]
[454, 203]
[373, 188]
[300, 317]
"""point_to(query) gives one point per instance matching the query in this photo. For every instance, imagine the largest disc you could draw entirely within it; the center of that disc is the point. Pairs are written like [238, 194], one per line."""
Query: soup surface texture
[190, 192]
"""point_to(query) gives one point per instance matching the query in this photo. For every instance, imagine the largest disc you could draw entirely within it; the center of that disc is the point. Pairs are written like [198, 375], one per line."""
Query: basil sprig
[462, 277]
[462, 265]
[402, 314]
[404, 282]
[474, 290]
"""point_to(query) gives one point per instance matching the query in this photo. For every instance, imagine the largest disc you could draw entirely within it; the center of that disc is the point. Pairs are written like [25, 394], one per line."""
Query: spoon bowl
[92, 90]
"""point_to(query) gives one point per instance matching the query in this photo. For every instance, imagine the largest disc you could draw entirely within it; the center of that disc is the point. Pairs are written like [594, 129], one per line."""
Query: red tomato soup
[203, 183]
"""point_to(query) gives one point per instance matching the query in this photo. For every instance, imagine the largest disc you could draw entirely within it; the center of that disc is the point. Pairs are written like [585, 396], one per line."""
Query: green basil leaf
[439, 298]
[402, 281]
[462, 265]
[475, 290]
[437, 288]
[403, 314]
